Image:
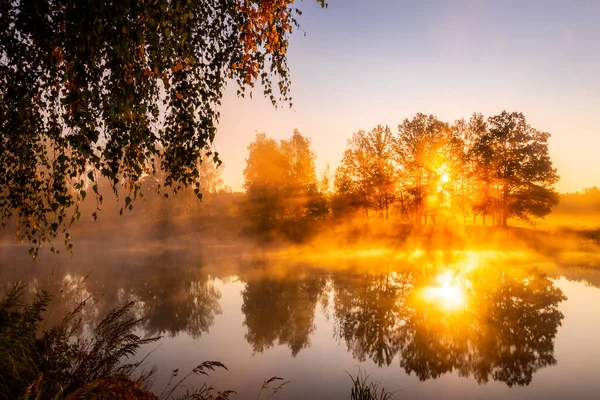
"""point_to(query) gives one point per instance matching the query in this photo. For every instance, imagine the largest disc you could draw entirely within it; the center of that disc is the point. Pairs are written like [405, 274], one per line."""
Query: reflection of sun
[445, 178]
[447, 293]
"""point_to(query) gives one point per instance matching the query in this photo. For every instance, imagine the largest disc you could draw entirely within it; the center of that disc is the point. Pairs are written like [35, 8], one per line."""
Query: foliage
[264, 177]
[434, 172]
[54, 365]
[521, 174]
[281, 183]
[98, 89]
[366, 176]
[118, 386]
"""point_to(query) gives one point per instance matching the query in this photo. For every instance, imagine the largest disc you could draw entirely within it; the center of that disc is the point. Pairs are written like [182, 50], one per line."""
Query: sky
[369, 62]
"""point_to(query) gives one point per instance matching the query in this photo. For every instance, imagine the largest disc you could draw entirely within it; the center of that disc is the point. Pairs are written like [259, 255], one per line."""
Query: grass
[363, 389]
[37, 363]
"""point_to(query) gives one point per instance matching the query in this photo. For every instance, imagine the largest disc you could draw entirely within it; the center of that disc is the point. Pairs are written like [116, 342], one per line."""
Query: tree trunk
[505, 204]
[386, 207]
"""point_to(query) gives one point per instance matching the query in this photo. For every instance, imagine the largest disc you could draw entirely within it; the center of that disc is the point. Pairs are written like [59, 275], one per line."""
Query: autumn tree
[281, 182]
[319, 202]
[301, 176]
[521, 174]
[366, 177]
[264, 180]
[439, 173]
[92, 89]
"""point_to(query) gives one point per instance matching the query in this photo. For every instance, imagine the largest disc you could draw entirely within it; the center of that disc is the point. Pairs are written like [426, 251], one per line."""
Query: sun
[445, 178]
[447, 293]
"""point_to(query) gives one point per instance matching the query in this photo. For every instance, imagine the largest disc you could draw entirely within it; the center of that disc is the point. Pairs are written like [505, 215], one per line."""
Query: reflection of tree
[176, 302]
[504, 331]
[171, 297]
[281, 308]
[521, 318]
[367, 314]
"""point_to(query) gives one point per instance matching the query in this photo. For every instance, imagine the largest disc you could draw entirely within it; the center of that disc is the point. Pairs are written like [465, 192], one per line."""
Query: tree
[301, 176]
[211, 181]
[281, 183]
[424, 148]
[521, 175]
[366, 175]
[265, 176]
[471, 181]
[96, 89]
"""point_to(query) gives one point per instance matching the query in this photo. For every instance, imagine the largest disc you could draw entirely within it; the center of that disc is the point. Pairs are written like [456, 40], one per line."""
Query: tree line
[426, 172]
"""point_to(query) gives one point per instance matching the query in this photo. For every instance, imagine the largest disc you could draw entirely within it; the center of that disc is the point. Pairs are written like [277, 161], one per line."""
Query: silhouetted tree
[472, 180]
[436, 173]
[301, 176]
[520, 170]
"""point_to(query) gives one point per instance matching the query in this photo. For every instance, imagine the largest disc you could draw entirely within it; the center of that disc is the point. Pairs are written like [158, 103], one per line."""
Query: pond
[426, 325]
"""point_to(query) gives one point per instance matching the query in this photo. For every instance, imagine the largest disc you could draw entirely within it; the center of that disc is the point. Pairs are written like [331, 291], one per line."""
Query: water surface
[452, 325]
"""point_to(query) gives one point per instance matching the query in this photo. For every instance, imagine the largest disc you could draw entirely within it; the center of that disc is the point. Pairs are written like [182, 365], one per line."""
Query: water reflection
[488, 322]
[368, 313]
[498, 324]
[281, 308]
[170, 298]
